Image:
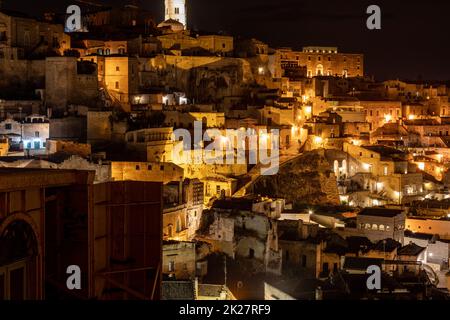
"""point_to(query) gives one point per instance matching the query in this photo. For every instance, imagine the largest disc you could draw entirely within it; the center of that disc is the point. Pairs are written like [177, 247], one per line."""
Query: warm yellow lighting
[261, 70]
[397, 194]
[380, 185]
[356, 142]
[411, 117]
[318, 140]
[264, 136]
[308, 110]
[421, 165]
[366, 166]
[388, 117]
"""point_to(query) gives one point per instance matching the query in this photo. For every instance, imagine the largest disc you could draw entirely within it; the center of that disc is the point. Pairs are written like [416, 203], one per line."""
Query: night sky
[414, 41]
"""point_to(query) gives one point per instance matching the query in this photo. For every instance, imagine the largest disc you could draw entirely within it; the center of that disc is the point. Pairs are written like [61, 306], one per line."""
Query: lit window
[381, 227]
[374, 227]
[171, 266]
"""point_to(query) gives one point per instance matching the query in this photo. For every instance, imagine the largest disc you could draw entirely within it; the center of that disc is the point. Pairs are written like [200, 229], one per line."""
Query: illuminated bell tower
[176, 10]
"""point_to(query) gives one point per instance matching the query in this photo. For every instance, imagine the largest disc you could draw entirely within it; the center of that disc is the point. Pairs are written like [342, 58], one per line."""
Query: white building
[32, 133]
[176, 10]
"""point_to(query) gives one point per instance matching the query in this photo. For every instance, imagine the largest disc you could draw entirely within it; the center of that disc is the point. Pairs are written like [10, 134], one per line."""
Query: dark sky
[414, 40]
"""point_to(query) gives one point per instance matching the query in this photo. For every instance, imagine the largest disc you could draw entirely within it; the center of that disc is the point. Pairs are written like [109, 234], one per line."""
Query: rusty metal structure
[52, 219]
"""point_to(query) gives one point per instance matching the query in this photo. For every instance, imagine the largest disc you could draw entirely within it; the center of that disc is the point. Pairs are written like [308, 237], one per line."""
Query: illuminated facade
[176, 10]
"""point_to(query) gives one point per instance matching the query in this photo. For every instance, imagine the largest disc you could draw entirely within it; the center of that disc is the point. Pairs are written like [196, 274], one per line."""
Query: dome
[174, 25]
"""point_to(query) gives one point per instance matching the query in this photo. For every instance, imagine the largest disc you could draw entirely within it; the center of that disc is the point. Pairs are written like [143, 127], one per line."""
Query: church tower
[176, 10]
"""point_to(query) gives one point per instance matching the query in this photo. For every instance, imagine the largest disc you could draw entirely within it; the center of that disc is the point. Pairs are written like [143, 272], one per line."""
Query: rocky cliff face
[304, 180]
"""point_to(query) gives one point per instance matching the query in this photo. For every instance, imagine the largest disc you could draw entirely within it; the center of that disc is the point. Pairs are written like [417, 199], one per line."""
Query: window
[149, 167]
[177, 10]
[304, 261]
[374, 227]
[388, 228]
[251, 253]
[381, 227]
[138, 167]
[117, 84]
[218, 189]
[171, 266]
[8, 126]
[325, 268]
[36, 134]
[287, 255]
[117, 68]
[161, 168]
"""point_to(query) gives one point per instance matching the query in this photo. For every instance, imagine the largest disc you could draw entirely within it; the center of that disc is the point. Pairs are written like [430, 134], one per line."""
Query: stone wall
[306, 179]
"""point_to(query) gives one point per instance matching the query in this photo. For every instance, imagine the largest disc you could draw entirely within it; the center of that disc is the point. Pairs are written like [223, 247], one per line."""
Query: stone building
[323, 61]
[22, 36]
[32, 133]
[387, 172]
[69, 81]
[377, 224]
[52, 219]
[179, 260]
[176, 10]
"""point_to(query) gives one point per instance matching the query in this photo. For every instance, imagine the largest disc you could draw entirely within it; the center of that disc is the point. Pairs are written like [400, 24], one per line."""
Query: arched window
[319, 70]
[381, 227]
[374, 227]
[178, 227]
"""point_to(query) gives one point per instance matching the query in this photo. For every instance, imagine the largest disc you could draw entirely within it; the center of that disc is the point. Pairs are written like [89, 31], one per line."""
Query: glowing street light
[308, 110]
[318, 140]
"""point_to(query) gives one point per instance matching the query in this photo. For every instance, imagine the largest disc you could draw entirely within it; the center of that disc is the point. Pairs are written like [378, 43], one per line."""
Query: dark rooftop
[177, 290]
[411, 249]
[380, 212]
[357, 263]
